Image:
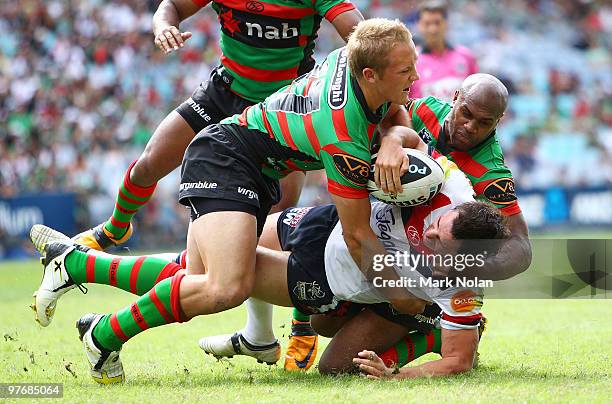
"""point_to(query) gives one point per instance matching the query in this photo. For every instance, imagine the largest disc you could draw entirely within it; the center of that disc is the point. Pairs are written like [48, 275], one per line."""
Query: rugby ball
[421, 182]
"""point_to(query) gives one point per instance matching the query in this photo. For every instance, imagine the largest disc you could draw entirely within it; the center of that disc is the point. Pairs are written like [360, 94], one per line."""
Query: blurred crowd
[82, 88]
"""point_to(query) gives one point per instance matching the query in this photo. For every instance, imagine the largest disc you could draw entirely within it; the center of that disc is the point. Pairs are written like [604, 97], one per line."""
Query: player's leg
[291, 189]
[208, 104]
[365, 331]
[362, 331]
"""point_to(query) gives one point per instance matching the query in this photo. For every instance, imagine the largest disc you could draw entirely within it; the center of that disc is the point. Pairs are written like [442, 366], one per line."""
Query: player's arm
[458, 350]
[514, 255]
[391, 162]
[346, 21]
[166, 21]
[363, 245]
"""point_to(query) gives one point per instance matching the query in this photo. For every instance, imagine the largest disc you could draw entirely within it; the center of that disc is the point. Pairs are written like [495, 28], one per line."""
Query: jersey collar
[373, 117]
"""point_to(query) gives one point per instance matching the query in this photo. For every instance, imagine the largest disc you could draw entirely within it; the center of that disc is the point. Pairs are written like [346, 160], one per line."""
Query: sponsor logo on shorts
[197, 185]
[248, 193]
[338, 90]
[501, 191]
[356, 171]
[199, 109]
[308, 291]
[465, 301]
[294, 216]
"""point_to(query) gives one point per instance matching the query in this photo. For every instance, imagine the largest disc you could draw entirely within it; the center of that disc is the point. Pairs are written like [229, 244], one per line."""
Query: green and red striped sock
[132, 274]
[160, 306]
[411, 347]
[130, 199]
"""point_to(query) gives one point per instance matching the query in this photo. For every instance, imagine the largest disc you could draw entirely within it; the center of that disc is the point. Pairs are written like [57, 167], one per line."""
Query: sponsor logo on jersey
[338, 89]
[356, 171]
[413, 235]
[248, 193]
[270, 31]
[240, 25]
[465, 301]
[425, 135]
[385, 220]
[199, 185]
[501, 191]
[254, 6]
[294, 216]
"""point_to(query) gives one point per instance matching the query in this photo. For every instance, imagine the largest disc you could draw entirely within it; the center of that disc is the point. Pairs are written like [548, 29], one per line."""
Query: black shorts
[217, 168]
[304, 232]
[211, 102]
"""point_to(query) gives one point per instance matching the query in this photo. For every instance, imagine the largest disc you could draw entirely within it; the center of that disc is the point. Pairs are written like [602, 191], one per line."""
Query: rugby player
[303, 261]
[465, 132]
[327, 119]
[264, 45]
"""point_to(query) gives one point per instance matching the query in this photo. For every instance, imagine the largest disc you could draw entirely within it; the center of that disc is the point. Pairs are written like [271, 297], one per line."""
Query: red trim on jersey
[114, 323]
[464, 320]
[345, 191]
[429, 119]
[291, 165]
[439, 201]
[338, 9]
[160, 307]
[468, 165]
[134, 274]
[259, 74]
[90, 268]
[138, 318]
[303, 40]
[371, 129]
[270, 10]
[310, 132]
[175, 300]
[311, 80]
[284, 127]
[112, 273]
[242, 118]
[511, 210]
[435, 154]
[201, 3]
[340, 125]
[266, 123]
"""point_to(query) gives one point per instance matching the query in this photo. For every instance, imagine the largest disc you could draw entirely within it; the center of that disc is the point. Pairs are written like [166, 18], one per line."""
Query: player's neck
[437, 47]
[371, 95]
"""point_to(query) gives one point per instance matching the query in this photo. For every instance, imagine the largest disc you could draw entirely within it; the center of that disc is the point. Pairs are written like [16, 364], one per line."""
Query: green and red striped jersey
[266, 44]
[321, 120]
[484, 164]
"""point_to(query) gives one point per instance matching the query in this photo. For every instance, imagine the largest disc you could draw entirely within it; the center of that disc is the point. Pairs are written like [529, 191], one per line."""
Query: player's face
[396, 79]
[471, 122]
[438, 236]
[433, 27]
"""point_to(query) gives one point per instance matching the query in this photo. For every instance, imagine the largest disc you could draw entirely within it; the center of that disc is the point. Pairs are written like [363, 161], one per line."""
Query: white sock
[258, 329]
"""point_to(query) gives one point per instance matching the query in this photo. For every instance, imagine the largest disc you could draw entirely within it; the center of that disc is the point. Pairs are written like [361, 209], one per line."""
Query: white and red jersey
[442, 74]
[399, 230]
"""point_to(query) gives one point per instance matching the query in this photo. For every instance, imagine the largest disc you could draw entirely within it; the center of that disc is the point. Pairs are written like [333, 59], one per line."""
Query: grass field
[534, 351]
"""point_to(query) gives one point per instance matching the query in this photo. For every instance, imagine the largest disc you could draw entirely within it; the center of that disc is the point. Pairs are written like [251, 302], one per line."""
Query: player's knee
[325, 326]
[233, 295]
[144, 173]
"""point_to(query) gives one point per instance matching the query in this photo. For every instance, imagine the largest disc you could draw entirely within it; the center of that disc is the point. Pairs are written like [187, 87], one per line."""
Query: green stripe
[127, 323]
[132, 196]
[124, 271]
[149, 271]
[420, 344]
[402, 352]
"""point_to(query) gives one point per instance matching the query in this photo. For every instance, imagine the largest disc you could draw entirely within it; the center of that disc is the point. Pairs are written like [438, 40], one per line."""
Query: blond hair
[371, 41]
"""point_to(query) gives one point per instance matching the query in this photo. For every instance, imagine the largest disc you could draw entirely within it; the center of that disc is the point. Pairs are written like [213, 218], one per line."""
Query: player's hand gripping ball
[420, 183]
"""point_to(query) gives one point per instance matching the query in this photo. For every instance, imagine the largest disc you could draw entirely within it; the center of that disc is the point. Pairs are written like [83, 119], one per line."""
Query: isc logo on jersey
[465, 301]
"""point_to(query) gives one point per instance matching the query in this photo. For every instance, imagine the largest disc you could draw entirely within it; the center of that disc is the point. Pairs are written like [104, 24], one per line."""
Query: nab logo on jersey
[270, 31]
[338, 89]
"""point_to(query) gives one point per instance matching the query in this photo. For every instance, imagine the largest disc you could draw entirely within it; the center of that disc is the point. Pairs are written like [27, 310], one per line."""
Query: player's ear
[369, 74]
